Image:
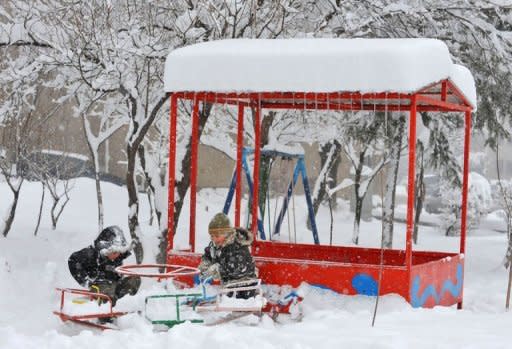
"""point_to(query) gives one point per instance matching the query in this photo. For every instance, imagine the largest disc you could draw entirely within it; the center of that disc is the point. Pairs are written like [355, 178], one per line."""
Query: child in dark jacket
[94, 267]
[228, 257]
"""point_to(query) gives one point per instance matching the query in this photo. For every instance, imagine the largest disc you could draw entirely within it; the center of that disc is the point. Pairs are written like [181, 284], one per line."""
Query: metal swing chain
[269, 173]
[277, 198]
[293, 208]
[293, 203]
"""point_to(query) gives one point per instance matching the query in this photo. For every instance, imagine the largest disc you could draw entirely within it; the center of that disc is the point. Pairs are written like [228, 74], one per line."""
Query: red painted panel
[344, 254]
[436, 277]
[438, 282]
[344, 278]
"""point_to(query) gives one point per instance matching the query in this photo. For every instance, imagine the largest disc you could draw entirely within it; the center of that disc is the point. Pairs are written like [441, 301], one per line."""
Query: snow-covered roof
[314, 65]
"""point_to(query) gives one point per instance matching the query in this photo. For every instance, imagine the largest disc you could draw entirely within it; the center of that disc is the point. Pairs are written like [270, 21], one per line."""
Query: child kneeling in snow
[94, 266]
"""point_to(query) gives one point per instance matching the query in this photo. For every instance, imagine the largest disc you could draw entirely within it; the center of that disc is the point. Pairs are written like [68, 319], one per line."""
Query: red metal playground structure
[212, 73]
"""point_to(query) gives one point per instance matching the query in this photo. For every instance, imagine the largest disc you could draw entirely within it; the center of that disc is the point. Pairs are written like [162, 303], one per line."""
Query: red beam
[172, 172]
[331, 101]
[465, 181]
[455, 90]
[303, 96]
[429, 87]
[256, 170]
[239, 148]
[446, 105]
[333, 106]
[465, 185]
[411, 184]
[367, 106]
[193, 174]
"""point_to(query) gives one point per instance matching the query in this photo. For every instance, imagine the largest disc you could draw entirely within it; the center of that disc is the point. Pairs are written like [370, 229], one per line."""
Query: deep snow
[31, 267]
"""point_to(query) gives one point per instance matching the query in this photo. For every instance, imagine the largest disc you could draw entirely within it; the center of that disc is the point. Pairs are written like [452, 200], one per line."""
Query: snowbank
[31, 267]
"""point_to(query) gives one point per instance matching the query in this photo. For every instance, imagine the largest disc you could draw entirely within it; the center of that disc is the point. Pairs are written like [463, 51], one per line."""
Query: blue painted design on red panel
[418, 300]
[365, 284]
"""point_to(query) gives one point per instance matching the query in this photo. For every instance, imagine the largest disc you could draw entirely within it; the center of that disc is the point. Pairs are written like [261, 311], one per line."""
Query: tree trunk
[138, 132]
[147, 177]
[333, 174]
[133, 203]
[388, 207]
[56, 212]
[419, 192]
[358, 199]
[265, 163]
[12, 211]
[329, 160]
[40, 210]
[508, 255]
[99, 197]
[151, 208]
[93, 150]
[357, 220]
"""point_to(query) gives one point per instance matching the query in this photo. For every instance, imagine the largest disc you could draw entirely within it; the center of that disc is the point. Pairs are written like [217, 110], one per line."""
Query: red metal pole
[172, 172]
[465, 181]
[411, 184]
[239, 148]
[193, 174]
[444, 90]
[256, 170]
[62, 300]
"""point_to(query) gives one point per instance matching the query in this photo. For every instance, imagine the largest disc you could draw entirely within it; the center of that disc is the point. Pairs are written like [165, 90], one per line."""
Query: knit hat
[111, 240]
[220, 224]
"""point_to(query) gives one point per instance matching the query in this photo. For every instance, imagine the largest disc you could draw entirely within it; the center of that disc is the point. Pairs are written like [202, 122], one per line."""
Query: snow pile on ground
[31, 267]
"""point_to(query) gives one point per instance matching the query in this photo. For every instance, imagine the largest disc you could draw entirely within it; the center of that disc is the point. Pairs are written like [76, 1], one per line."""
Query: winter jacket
[233, 260]
[90, 265]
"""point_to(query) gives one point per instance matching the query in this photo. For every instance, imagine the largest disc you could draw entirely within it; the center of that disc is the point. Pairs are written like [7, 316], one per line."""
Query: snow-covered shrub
[479, 204]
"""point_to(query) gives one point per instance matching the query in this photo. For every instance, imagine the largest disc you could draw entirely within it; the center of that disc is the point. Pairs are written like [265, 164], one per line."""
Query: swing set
[299, 169]
[337, 75]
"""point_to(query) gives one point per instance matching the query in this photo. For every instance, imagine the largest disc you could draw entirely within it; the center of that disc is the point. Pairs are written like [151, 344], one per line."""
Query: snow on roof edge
[315, 65]
[464, 81]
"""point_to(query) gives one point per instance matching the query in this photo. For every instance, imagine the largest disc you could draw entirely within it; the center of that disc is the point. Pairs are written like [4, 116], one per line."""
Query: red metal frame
[422, 281]
[84, 319]
[172, 171]
[410, 184]
[193, 173]
[239, 149]
[256, 168]
[171, 270]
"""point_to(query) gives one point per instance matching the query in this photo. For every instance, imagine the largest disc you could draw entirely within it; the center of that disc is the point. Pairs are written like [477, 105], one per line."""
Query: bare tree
[17, 121]
[100, 120]
[506, 205]
[329, 159]
[361, 141]
[395, 143]
[59, 191]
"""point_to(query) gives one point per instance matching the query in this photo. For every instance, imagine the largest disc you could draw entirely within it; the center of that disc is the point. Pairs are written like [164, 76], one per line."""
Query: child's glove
[199, 280]
[212, 271]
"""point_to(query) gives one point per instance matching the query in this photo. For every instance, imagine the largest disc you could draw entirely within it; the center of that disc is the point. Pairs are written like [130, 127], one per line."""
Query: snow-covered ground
[32, 266]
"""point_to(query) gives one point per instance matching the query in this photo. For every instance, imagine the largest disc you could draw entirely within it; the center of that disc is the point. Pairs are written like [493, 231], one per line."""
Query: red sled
[87, 319]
